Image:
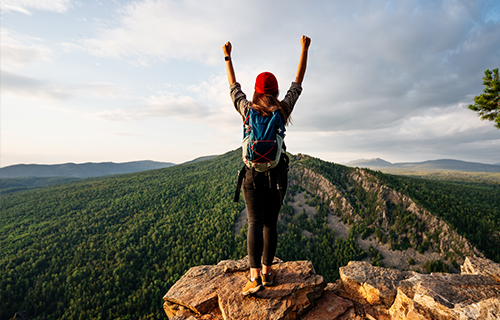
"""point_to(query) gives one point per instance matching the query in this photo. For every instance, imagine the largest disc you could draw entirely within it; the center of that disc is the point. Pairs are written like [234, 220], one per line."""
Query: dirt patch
[396, 258]
[299, 204]
[341, 229]
[240, 221]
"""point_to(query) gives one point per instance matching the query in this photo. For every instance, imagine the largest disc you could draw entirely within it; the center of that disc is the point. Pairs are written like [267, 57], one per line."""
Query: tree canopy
[487, 104]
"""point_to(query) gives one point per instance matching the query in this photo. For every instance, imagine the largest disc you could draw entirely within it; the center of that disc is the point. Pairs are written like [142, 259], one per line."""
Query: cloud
[437, 133]
[371, 64]
[163, 104]
[20, 50]
[157, 30]
[21, 86]
[207, 103]
[380, 66]
[103, 90]
[151, 30]
[23, 6]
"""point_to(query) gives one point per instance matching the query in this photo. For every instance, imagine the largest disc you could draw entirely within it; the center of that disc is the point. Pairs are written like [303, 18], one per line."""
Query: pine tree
[487, 104]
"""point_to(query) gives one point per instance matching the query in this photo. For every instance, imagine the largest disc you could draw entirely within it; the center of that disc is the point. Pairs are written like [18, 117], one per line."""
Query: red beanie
[266, 83]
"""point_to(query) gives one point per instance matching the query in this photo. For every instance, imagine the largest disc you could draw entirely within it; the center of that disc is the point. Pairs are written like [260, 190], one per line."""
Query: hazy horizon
[175, 163]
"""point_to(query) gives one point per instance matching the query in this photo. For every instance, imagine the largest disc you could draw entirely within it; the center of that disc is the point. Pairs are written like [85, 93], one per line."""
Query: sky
[109, 80]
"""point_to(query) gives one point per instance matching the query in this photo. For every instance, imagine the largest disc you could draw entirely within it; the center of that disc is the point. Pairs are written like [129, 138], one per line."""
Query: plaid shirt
[242, 104]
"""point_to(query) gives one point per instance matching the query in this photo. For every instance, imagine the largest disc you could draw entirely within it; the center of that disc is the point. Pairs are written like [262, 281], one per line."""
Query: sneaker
[252, 287]
[268, 279]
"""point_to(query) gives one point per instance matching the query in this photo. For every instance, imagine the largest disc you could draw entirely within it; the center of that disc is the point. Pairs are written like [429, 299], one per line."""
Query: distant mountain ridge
[430, 165]
[95, 169]
[82, 170]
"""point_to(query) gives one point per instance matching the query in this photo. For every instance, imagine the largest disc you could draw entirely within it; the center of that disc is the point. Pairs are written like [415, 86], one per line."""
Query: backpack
[262, 140]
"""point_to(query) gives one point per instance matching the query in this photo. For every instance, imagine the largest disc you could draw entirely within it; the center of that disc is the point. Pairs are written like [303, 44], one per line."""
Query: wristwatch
[227, 58]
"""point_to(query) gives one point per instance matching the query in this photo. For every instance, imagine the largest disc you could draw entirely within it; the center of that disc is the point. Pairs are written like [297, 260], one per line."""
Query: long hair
[265, 104]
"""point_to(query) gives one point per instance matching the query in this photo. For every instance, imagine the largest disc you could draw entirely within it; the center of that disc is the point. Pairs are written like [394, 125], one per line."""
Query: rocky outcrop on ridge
[450, 245]
[481, 266]
[214, 292]
[362, 292]
[450, 242]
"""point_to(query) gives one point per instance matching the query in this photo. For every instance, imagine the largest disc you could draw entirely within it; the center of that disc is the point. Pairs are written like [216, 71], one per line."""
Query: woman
[262, 198]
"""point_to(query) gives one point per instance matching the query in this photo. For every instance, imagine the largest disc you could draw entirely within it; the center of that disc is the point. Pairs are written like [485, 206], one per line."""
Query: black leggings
[263, 205]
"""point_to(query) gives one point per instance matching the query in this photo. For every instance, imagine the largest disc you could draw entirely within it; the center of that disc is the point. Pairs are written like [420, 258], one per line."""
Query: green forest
[473, 211]
[470, 207]
[111, 247]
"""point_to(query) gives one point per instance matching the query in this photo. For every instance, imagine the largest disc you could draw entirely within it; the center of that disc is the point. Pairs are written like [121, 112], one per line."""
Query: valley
[110, 247]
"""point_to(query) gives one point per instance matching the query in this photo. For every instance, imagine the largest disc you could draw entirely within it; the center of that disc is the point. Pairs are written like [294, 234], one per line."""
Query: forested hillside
[432, 218]
[10, 185]
[110, 248]
[473, 212]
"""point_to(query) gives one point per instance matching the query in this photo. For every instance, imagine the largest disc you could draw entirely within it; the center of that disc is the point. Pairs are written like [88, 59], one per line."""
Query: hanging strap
[285, 160]
[241, 176]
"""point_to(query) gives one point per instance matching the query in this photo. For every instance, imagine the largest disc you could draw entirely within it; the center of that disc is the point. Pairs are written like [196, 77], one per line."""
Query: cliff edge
[363, 292]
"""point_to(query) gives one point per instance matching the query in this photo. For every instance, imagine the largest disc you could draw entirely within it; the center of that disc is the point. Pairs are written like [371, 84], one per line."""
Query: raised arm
[231, 77]
[301, 70]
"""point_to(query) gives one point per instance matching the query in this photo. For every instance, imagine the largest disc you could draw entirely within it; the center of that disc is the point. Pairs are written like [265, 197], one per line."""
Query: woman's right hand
[305, 41]
[301, 70]
[231, 77]
[227, 49]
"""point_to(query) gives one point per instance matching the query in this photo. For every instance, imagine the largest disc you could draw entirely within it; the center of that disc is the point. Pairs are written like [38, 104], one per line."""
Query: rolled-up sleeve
[239, 98]
[293, 94]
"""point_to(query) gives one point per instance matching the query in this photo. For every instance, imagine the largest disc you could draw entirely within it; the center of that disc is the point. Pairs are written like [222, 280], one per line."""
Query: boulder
[447, 296]
[475, 265]
[367, 284]
[195, 291]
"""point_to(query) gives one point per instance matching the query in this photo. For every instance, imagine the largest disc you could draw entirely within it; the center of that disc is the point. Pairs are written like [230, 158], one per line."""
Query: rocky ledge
[362, 292]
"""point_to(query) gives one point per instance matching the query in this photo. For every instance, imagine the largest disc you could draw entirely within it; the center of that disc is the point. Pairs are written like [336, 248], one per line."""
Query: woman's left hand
[305, 41]
[227, 49]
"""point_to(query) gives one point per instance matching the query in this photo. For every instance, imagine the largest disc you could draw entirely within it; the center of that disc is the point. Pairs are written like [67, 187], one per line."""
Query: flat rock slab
[475, 265]
[329, 307]
[207, 290]
[447, 296]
